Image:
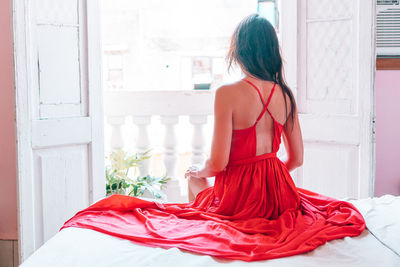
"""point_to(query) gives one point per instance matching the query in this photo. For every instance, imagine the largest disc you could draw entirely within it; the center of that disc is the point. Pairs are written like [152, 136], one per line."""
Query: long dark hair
[255, 47]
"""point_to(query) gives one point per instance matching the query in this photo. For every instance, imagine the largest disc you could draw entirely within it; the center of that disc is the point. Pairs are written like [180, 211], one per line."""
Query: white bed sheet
[382, 219]
[378, 246]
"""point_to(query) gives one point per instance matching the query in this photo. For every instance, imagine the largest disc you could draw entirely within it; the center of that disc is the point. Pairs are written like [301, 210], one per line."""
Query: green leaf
[120, 172]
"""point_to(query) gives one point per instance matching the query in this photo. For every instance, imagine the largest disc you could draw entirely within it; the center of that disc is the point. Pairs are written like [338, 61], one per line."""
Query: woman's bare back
[247, 106]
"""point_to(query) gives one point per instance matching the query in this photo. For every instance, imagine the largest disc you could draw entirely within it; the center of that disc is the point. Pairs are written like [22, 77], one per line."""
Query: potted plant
[121, 176]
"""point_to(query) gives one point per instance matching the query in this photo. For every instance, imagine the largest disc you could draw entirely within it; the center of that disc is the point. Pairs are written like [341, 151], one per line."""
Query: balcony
[190, 110]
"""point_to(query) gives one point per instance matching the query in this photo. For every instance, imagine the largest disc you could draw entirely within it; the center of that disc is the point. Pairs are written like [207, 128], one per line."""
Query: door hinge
[373, 127]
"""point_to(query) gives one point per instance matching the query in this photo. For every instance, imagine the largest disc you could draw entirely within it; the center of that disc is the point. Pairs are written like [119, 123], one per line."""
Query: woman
[254, 47]
[253, 211]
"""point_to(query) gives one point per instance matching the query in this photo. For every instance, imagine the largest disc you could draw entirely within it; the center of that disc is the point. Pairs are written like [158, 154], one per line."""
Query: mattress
[378, 245]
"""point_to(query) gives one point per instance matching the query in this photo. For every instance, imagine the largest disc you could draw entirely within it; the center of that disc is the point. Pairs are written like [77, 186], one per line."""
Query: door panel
[61, 186]
[331, 70]
[336, 160]
[57, 86]
[329, 57]
[59, 114]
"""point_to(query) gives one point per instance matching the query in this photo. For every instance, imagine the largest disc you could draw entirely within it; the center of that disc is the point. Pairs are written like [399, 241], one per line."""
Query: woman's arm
[293, 141]
[222, 136]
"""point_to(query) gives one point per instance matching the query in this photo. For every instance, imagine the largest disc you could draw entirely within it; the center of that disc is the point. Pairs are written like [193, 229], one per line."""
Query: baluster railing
[170, 157]
[170, 143]
[198, 139]
[169, 105]
[142, 141]
[117, 141]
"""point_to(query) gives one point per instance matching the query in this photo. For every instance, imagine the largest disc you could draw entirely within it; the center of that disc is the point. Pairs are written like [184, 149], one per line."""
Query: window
[175, 44]
[269, 10]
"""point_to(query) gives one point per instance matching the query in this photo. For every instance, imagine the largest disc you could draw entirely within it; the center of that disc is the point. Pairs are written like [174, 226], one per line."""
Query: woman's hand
[196, 181]
[192, 172]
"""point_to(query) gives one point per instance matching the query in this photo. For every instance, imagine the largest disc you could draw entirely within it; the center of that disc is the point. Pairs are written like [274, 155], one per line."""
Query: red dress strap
[270, 95]
[265, 104]
[259, 93]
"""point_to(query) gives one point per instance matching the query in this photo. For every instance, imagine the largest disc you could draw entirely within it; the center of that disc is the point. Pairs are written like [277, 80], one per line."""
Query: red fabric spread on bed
[254, 211]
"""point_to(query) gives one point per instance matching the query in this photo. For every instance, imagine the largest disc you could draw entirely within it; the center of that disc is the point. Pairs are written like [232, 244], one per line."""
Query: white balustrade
[170, 156]
[142, 142]
[170, 142]
[198, 139]
[116, 136]
[170, 106]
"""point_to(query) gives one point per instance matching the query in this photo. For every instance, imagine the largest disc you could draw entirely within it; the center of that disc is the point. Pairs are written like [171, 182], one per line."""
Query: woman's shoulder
[229, 89]
[226, 95]
[236, 89]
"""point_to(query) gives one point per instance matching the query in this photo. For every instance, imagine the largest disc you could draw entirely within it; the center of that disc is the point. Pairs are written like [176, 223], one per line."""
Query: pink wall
[8, 191]
[387, 90]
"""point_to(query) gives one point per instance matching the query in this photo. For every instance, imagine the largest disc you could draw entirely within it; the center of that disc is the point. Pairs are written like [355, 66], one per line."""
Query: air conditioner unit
[388, 28]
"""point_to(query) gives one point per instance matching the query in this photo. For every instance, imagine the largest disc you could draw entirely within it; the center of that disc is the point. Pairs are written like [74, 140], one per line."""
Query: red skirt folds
[253, 212]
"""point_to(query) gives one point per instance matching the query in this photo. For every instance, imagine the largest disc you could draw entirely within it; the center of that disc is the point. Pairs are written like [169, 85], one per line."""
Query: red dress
[254, 211]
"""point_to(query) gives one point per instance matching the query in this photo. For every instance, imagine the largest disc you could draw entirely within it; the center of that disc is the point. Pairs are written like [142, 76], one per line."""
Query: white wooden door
[330, 51]
[59, 114]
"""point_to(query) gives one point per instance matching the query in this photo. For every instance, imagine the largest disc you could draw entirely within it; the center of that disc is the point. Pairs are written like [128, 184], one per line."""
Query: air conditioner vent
[387, 2]
[388, 28]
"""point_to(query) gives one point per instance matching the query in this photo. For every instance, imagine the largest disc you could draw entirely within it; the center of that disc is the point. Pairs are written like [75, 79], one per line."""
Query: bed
[378, 245]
